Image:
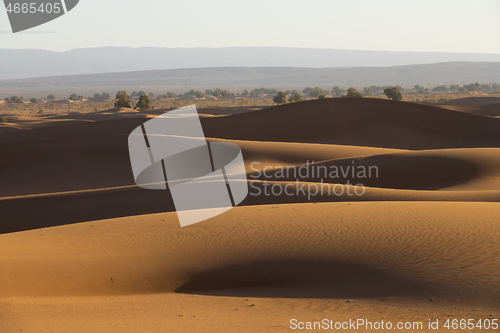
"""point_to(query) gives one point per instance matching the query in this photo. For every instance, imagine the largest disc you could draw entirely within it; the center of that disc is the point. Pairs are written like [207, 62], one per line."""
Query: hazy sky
[395, 25]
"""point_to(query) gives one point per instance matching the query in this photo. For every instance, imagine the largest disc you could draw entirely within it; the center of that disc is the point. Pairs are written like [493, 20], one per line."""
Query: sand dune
[421, 241]
[486, 106]
[360, 122]
[472, 101]
[324, 254]
[492, 110]
[101, 186]
[151, 254]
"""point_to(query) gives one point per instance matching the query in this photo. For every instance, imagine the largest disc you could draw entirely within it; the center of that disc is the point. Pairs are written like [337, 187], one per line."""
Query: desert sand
[487, 106]
[83, 249]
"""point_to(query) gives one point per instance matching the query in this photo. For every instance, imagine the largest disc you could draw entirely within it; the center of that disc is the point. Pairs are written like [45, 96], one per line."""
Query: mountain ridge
[240, 78]
[28, 63]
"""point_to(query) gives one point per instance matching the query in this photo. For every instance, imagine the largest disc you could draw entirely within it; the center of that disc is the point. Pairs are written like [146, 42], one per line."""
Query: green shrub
[337, 91]
[144, 103]
[353, 93]
[313, 92]
[73, 97]
[122, 100]
[393, 93]
[296, 97]
[16, 99]
[280, 98]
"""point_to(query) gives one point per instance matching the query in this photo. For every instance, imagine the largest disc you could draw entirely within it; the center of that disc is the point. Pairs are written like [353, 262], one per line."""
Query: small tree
[219, 93]
[473, 87]
[440, 88]
[280, 98]
[73, 97]
[144, 103]
[33, 100]
[122, 100]
[16, 99]
[337, 91]
[171, 95]
[51, 97]
[393, 93]
[297, 97]
[313, 92]
[353, 93]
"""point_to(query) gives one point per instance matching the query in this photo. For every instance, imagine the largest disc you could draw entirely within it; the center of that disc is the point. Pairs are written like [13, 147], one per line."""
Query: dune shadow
[394, 171]
[42, 211]
[299, 279]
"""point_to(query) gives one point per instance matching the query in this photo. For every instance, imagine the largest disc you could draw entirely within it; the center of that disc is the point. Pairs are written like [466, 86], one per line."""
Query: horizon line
[236, 47]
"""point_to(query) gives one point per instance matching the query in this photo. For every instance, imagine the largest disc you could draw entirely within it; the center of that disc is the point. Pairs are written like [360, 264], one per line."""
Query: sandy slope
[323, 254]
[360, 122]
[492, 110]
[126, 265]
[486, 106]
[472, 101]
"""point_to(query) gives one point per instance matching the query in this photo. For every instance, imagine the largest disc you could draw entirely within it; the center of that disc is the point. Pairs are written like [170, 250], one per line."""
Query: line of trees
[15, 99]
[290, 96]
[100, 97]
[471, 87]
[263, 91]
[393, 93]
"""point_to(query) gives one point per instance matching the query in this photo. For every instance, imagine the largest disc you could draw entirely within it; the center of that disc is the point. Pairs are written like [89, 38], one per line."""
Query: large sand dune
[420, 243]
[486, 106]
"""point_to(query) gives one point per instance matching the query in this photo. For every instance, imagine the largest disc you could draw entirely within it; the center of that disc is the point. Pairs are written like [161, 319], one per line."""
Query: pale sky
[394, 25]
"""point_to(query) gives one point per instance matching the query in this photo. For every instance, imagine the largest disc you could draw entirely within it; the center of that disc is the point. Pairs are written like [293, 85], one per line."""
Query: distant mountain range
[237, 79]
[18, 64]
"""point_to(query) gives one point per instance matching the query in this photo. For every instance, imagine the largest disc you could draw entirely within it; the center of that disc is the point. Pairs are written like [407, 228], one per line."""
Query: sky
[471, 26]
